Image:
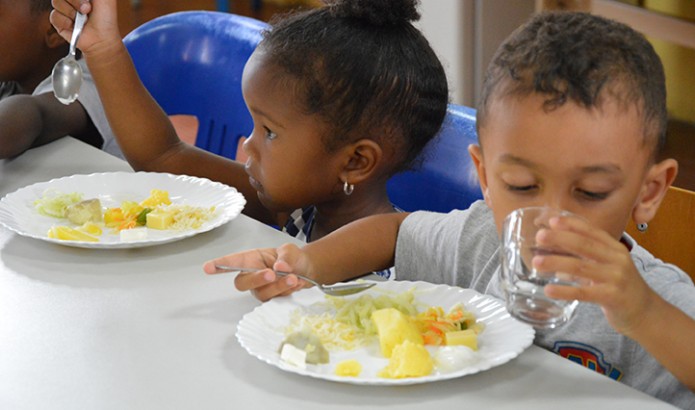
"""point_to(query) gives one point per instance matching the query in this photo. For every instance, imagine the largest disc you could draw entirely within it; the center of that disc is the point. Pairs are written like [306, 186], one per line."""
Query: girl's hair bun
[376, 12]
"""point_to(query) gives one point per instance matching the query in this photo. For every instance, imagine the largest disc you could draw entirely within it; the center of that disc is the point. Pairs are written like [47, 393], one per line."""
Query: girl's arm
[363, 246]
[143, 130]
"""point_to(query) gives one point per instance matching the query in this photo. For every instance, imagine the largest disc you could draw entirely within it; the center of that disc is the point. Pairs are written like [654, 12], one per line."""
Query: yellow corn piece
[157, 197]
[66, 233]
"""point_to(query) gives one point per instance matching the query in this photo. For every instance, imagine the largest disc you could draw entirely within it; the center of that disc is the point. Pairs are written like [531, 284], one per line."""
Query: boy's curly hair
[364, 69]
[583, 58]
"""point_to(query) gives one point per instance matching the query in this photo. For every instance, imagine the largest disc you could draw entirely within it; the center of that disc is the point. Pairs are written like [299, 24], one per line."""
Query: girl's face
[590, 162]
[287, 162]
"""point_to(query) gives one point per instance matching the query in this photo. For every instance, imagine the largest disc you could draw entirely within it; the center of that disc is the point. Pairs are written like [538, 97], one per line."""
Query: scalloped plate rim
[525, 333]
[228, 195]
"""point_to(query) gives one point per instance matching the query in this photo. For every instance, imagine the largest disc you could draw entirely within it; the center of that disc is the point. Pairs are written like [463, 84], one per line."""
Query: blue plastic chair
[191, 62]
[446, 179]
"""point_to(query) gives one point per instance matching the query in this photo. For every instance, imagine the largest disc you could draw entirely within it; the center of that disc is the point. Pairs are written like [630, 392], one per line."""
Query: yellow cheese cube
[394, 328]
[466, 337]
[348, 368]
[408, 360]
[159, 219]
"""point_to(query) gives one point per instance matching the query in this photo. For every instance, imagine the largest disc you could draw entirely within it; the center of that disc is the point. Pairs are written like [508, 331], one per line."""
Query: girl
[342, 97]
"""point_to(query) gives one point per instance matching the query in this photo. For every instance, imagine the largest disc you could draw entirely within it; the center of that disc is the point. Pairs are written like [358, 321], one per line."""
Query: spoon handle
[249, 270]
[80, 19]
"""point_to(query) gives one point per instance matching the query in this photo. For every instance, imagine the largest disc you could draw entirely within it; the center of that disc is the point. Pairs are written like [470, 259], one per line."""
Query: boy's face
[21, 40]
[590, 162]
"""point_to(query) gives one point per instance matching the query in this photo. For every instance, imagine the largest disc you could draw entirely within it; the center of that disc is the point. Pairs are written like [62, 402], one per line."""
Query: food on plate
[160, 219]
[54, 203]
[70, 234]
[348, 368]
[134, 234]
[293, 355]
[401, 326]
[394, 328]
[452, 358]
[85, 211]
[439, 328]
[466, 337]
[408, 359]
[310, 344]
[157, 197]
[154, 212]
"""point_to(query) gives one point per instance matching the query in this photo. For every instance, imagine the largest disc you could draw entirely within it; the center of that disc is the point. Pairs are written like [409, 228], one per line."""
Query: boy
[572, 116]
[30, 115]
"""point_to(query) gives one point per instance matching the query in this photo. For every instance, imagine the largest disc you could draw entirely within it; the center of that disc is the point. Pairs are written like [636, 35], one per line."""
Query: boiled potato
[394, 328]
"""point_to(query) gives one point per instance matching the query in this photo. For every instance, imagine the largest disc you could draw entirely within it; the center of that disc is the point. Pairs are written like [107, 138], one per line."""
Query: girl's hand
[608, 275]
[101, 28]
[265, 284]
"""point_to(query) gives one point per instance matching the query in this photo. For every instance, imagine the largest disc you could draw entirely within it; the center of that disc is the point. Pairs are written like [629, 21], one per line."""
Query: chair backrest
[446, 178]
[191, 62]
[671, 234]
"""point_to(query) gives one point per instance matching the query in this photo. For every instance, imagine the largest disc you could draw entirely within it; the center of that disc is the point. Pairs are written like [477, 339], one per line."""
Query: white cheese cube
[134, 234]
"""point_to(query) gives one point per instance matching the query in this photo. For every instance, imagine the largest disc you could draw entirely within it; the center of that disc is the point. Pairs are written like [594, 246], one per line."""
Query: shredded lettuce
[358, 312]
[54, 203]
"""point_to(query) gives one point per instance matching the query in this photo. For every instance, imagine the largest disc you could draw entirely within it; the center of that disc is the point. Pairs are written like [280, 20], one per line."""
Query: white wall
[466, 33]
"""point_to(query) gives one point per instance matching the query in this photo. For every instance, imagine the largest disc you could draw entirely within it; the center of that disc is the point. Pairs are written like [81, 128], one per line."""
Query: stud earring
[348, 188]
[642, 227]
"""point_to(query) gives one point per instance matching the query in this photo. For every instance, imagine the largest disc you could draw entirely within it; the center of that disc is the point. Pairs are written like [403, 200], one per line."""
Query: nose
[557, 201]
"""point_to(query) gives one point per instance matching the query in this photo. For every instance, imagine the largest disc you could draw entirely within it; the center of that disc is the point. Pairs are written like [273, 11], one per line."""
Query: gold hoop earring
[348, 188]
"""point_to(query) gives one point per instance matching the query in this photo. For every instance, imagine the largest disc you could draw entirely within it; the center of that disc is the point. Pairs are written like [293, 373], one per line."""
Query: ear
[50, 36]
[476, 154]
[361, 160]
[659, 178]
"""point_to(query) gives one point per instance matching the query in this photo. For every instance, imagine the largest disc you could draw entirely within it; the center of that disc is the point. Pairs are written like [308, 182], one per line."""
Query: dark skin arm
[28, 121]
[143, 130]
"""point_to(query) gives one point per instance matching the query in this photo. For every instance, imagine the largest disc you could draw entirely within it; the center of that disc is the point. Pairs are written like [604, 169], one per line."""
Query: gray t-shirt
[88, 97]
[462, 248]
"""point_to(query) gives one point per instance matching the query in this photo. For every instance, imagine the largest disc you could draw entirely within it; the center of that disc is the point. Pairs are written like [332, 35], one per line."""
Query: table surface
[147, 329]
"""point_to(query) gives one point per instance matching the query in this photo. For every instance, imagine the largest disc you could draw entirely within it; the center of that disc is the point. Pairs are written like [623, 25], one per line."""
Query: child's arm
[143, 130]
[31, 120]
[630, 305]
[365, 245]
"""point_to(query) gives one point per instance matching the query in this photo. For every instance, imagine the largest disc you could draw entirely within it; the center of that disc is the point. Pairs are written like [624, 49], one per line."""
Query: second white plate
[262, 331]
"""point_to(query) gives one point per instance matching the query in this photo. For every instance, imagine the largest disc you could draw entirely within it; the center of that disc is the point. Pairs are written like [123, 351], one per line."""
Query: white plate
[17, 211]
[262, 331]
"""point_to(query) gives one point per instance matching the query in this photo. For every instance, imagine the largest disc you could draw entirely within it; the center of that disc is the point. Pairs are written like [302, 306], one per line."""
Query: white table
[147, 329]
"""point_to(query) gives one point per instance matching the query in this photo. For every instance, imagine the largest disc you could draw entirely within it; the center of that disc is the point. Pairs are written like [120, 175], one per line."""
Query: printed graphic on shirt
[587, 356]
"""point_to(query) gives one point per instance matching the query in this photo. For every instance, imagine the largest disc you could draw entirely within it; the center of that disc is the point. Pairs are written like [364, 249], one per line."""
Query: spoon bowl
[338, 289]
[67, 73]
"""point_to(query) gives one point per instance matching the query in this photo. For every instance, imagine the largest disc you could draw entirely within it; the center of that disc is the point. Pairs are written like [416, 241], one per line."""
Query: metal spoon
[67, 73]
[339, 289]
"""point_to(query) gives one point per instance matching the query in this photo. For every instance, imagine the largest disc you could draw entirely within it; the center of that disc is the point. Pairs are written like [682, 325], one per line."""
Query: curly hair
[583, 58]
[362, 67]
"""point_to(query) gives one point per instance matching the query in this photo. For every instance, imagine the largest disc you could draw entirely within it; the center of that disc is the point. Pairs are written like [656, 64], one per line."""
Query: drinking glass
[523, 284]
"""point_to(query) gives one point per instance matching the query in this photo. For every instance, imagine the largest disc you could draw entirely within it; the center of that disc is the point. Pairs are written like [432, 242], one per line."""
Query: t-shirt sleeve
[448, 248]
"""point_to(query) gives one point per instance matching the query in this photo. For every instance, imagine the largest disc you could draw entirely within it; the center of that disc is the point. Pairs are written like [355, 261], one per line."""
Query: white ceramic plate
[17, 211]
[262, 331]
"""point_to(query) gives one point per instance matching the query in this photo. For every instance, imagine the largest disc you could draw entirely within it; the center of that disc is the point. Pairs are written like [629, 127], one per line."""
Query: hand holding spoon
[67, 73]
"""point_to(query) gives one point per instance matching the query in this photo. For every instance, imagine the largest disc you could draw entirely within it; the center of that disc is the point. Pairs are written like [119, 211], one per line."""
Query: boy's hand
[613, 281]
[265, 284]
[101, 28]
